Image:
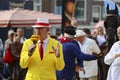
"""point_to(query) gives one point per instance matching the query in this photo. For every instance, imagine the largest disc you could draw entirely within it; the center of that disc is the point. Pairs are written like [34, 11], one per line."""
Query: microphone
[35, 38]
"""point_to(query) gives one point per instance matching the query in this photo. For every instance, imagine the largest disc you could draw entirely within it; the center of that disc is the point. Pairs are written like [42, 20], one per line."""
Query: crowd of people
[44, 57]
[13, 45]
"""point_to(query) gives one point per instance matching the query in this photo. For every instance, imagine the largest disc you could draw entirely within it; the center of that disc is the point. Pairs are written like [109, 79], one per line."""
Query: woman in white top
[113, 59]
[100, 37]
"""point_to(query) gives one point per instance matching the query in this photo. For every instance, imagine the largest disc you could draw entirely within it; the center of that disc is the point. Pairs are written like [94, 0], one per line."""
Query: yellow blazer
[45, 69]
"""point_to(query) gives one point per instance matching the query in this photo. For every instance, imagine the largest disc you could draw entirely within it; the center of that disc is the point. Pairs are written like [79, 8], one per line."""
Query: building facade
[87, 12]
[91, 12]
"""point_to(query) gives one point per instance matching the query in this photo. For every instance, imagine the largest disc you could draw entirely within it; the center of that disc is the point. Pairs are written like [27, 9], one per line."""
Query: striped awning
[25, 18]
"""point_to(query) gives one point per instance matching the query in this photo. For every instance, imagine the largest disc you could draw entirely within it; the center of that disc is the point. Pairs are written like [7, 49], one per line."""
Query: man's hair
[19, 28]
[69, 30]
[86, 30]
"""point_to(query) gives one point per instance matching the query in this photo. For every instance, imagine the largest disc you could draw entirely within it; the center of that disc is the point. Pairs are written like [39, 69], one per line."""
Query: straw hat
[10, 32]
[79, 33]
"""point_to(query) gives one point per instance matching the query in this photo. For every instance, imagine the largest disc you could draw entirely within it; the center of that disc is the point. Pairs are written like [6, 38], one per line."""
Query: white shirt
[45, 42]
[91, 68]
[114, 70]
[22, 39]
[101, 39]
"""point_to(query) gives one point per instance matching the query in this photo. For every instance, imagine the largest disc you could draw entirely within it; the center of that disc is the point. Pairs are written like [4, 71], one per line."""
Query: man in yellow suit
[42, 62]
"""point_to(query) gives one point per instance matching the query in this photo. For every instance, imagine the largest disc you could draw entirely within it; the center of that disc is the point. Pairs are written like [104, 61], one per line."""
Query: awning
[100, 23]
[25, 18]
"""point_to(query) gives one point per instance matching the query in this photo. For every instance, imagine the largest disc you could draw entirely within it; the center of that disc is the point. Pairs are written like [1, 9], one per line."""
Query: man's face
[70, 7]
[41, 30]
[19, 32]
[80, 38]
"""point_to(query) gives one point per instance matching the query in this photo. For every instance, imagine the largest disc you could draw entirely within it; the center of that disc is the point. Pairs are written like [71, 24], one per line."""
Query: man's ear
[48, 29]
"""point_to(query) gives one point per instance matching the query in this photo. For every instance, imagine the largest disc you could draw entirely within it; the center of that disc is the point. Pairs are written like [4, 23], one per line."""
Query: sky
[111, 5]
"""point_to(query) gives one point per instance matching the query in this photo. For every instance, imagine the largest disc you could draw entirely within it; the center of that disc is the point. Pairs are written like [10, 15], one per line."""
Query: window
[104, 12]
[96, 13]
[18, 4]
[80, 12]
[58, 8]
[37, 5]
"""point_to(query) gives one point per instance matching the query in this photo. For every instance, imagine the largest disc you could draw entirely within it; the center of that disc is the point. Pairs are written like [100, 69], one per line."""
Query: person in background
[71, 51]
[69, 6]
[100, 36]
[15, 49]
[10, 40]
[88, 32]
[19, 34]
[42, 56]
[113, 59]
[74, 23]
[52, 35]
[91, 71]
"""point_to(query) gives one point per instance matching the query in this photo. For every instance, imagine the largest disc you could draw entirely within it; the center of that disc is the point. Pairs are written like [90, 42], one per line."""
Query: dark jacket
[71, 51]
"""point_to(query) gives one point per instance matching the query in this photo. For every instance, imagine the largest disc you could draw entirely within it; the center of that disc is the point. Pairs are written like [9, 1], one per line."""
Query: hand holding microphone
[32, 47]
